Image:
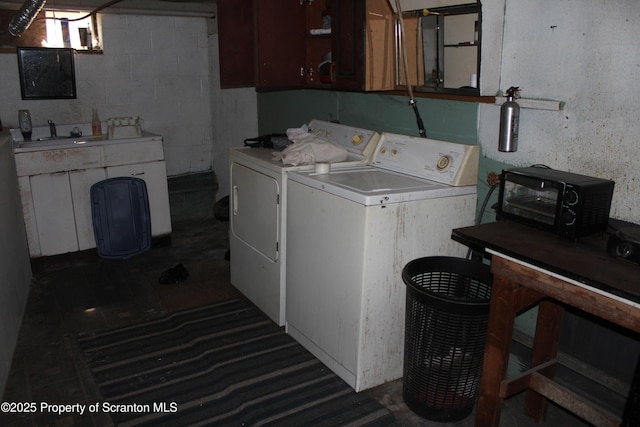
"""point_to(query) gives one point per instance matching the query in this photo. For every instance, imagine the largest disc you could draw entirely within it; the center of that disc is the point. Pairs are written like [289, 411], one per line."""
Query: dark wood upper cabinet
[261, 43]
[285, 43]
[235, 43]
[280, 43]
[348, 46]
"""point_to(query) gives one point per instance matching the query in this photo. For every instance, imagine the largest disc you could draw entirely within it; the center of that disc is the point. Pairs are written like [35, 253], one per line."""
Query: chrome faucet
[52, 129]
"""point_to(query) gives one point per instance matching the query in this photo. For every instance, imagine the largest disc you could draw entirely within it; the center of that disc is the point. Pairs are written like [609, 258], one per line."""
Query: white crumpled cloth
[309, 148]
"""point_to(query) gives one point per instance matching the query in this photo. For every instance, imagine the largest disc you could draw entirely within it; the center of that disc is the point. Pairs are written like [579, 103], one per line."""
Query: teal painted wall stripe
[447, 120]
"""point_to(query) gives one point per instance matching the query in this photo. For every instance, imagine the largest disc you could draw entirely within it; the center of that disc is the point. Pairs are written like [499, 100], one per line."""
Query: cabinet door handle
[235, 200]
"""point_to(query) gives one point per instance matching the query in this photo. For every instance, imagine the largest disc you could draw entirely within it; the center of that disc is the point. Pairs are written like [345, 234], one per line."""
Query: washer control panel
[441, 161]
[355, 140]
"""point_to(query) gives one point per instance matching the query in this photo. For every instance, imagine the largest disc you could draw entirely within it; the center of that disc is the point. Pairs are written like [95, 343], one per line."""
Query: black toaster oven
[564, 203]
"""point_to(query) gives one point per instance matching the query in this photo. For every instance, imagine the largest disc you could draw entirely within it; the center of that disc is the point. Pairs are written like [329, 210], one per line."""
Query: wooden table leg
[632, 408]
[545, 348]
[496, 358]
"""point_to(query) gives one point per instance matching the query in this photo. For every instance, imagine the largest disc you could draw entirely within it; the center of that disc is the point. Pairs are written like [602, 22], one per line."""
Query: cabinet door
[347, 30]
[154, 175]
[270, 39]
[81, 181]
[236, 33]
[261, 43]
[29, 213]
[280, 41]
[318, 46]
[380, 43]
[53, 208]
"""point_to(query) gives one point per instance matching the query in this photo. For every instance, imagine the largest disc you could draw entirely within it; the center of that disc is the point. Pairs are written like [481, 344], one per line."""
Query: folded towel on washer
[309, 148]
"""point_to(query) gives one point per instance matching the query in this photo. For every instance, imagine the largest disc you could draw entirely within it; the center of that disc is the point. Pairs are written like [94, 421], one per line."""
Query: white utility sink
[55, 143]
[42, 141]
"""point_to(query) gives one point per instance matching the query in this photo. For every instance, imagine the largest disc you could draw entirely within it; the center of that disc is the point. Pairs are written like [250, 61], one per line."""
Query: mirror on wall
[443, 47]
[46, 73]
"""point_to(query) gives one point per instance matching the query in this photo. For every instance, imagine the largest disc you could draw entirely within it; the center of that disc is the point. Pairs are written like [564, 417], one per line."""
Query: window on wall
[71, 29]
[79, 31]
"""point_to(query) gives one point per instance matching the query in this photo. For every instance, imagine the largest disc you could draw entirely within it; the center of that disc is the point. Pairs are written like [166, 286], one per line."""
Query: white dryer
[350, 234]
[258, 213]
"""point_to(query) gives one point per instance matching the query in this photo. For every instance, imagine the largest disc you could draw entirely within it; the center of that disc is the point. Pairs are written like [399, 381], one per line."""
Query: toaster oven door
[533, 200]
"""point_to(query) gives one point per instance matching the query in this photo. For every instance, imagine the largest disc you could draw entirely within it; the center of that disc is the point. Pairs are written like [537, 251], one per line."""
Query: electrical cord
[493, 179]
[484, 204]
[93, 12]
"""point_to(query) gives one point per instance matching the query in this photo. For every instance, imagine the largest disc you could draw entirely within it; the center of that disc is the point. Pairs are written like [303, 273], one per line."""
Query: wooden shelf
[535, 104]
[445, 95]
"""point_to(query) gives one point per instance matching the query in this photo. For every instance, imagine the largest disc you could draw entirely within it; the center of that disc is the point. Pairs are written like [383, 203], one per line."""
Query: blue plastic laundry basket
[121, 219]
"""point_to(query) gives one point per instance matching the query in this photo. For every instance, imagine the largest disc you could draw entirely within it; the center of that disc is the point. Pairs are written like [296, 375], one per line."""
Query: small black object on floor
[174, 275]
[221, 209]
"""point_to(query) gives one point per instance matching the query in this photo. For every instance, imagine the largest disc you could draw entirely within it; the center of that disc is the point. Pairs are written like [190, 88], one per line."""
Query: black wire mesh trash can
[446, 318]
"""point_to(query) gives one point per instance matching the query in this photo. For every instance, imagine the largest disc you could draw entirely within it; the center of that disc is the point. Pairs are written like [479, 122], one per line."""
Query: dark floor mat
[222, 364]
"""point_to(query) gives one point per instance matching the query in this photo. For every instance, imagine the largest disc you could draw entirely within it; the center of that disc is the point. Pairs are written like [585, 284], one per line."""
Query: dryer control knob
[444, 162]
[356, 140]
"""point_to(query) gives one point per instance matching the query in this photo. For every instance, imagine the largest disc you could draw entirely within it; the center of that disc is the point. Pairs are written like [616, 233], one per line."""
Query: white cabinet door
[81, 182]
[29, 213]
[53, 208]
[154, 175]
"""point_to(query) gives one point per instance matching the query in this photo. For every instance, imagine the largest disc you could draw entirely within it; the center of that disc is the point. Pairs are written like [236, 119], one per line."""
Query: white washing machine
[350, 234]
[258, 217]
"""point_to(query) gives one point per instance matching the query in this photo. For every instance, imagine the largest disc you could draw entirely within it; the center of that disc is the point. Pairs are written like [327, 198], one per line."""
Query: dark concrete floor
[81, 292]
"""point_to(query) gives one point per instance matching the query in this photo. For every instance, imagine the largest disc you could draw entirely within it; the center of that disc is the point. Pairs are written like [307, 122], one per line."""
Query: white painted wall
[237, 117]
[155, 67]
[235, 114]
[582, 52]
[15, 269]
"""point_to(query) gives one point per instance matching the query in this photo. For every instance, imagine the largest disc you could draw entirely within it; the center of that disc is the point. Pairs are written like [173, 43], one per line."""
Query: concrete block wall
[154, 67]
[192, 197]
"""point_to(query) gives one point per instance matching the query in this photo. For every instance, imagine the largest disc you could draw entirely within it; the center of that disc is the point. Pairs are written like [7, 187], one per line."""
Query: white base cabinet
[55, 190]
[80, 182]
[53, 213]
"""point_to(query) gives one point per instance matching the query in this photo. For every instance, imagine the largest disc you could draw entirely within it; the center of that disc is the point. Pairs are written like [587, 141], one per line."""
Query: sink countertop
[63, 131]
[41, 139]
